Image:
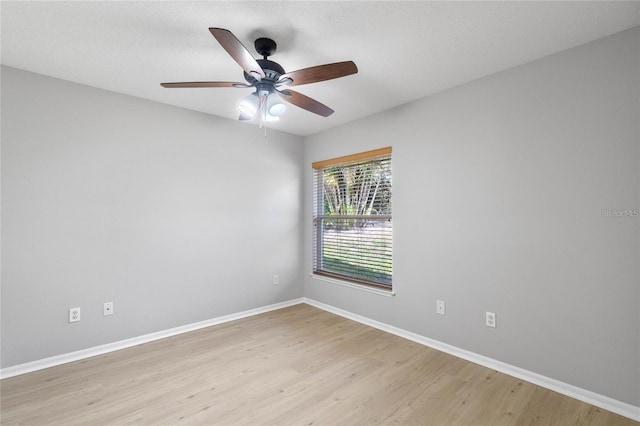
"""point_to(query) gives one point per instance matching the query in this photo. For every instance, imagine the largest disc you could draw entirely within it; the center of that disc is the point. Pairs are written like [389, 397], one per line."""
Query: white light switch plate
[491, 320]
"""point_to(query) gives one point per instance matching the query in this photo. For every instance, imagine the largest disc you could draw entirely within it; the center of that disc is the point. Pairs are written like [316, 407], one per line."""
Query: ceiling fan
[270, 80]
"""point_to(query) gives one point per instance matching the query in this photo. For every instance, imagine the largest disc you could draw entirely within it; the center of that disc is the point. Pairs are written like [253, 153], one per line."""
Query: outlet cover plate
[440, 307]
[74, 314]
[107, 308]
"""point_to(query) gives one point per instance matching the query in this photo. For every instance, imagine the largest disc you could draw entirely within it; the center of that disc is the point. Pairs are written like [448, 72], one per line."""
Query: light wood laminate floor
[294, 366]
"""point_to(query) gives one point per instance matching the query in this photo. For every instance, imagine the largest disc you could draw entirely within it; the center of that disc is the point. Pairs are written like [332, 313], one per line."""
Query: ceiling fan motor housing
[272, 71]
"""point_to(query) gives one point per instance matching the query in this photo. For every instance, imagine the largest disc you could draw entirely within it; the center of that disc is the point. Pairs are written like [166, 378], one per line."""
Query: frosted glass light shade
[248, 106]
[276, 107]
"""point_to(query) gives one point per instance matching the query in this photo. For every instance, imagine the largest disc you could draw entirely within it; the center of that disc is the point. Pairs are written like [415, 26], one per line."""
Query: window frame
[319, 215]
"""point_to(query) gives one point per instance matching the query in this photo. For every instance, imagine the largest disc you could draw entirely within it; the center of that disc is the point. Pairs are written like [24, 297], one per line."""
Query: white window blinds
[353, 228]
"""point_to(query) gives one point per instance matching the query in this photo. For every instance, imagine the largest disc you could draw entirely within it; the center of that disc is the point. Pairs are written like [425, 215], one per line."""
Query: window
[352, 236]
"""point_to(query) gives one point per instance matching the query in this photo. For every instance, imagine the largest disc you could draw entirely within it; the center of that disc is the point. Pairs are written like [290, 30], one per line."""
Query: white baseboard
[601, 401]
[123, 344]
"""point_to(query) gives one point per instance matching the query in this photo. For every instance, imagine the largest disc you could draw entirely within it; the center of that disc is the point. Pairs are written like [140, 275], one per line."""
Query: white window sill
[380, 291]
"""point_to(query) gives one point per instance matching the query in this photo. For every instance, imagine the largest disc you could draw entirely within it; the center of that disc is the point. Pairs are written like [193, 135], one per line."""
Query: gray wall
[499, 187]
[175, 216]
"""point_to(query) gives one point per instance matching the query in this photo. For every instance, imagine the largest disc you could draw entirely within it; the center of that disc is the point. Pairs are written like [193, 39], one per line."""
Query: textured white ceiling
[404, 50]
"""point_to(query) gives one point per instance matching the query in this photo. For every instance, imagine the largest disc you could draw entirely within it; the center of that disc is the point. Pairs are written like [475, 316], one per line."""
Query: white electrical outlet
[490, 320]
[440, 307]
[74, 314]
[107, 309]
[276, 280]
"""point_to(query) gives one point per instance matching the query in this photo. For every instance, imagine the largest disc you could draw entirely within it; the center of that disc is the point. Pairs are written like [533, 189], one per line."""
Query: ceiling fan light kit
[269, 106]
[270, 80]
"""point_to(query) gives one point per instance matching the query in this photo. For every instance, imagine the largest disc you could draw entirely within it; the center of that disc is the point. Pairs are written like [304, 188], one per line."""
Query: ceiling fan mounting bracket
[265, 47]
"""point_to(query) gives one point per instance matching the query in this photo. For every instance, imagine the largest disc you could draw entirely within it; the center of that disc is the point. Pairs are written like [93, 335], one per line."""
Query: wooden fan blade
[203, 84]
[321, 73]
[237, 51]
[305, 102]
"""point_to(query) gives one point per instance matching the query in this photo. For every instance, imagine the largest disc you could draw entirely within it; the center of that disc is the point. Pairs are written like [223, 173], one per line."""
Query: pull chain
[263, 110]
